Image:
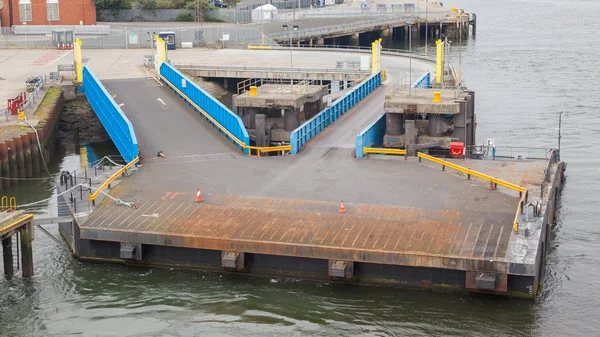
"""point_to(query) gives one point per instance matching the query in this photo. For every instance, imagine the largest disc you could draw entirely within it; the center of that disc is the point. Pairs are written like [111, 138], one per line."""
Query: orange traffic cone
[491, 184]
[342, 209]
[161, 154]
[199, 196]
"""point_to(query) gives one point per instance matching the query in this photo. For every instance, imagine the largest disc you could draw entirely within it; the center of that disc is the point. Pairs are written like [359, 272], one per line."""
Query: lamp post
[151, 40]
[460, 49]
[294, 28]
[409, 58]
[426, 17]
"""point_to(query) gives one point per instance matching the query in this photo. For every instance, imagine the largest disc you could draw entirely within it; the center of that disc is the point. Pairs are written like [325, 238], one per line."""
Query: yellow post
[437, 97]
[252, 90]
[77, 60]
[375, 55]
[439, 62]
[161, 52]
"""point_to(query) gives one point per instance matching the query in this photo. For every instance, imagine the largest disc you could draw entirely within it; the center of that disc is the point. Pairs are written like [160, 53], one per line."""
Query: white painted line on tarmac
[160, 100]
[70, 51]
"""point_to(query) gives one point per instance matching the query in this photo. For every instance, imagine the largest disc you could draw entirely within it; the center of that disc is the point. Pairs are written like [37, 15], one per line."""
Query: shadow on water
[30, 190]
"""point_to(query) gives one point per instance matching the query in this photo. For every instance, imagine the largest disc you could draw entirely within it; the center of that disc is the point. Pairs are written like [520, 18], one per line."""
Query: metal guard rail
[465, 170]
[519, 208]
[225, 114]
[271, 69]
[349, 49]
[16, 223]
[424, 81]
[522, 190]
[335, 28]
[327, 116]
[246, 147]
[8, 204]
[378, 150]
[115, 175]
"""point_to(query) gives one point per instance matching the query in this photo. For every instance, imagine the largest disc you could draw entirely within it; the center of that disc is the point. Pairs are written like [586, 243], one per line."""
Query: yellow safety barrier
[260, 47]
[377, 150]
[234, 138]
[491, 179]
[16, 223]
[115, 175]
[265, 149]
[516, 222]
[465, 170]
[8, 204]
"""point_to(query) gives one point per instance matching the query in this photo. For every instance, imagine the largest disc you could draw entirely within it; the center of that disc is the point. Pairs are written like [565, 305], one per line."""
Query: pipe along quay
[374, 182]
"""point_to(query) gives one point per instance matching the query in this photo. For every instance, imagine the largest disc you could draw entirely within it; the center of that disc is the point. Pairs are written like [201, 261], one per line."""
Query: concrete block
[485, 281]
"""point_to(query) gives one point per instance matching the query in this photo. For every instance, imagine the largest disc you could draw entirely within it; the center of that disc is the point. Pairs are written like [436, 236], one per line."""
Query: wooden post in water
[8, 256]
[26, 249]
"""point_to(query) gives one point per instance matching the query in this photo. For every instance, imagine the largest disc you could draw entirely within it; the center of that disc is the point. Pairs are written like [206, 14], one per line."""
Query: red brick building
[47, 12]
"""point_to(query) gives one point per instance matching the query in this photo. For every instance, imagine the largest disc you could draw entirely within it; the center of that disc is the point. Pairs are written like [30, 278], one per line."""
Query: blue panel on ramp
[113, 119]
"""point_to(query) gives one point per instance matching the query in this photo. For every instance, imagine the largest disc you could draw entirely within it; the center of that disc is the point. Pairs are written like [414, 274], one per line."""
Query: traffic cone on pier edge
[199, 196]
[342, 208]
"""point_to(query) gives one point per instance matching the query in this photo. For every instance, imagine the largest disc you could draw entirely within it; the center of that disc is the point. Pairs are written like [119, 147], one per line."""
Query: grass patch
[211, 19]
[12, 131]
[45, 107]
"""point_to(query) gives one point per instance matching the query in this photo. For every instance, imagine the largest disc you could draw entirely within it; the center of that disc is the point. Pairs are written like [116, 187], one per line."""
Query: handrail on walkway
[115, 175]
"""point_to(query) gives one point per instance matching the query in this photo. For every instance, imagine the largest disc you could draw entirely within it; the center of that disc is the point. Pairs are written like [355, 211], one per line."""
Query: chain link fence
[162, 15]
[139, 37]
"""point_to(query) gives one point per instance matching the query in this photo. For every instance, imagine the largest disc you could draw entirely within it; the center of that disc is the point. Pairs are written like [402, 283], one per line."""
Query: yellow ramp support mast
[77, 60]
[375, 56]
[439, 61]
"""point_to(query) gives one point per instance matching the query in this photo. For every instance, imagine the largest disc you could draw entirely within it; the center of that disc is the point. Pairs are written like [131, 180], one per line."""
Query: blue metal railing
[371, 136]
[423, 82]
[219, 115]
[113, 119]
[329, 115]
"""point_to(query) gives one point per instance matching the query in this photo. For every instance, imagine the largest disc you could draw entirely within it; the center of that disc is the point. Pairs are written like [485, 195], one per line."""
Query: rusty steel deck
[316, 229]
[400, 212]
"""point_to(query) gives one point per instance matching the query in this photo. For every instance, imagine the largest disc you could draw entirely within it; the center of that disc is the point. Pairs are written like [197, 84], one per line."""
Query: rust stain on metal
[381, 234]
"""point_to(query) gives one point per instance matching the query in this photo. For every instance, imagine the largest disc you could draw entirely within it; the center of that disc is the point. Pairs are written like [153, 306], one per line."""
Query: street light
[409, 58]
[294, 28]
[426, 30]
[151, 40]
[460, 49]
